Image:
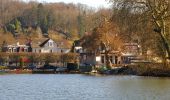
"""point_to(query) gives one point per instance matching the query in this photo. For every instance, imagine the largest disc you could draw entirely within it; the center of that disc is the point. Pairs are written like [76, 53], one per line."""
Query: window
[102, 59]
[116, 59]
[84, 57]
[51, 51]
[40, 51]
[25, 50]
[14, 50]
[78, 51]
[50, 44]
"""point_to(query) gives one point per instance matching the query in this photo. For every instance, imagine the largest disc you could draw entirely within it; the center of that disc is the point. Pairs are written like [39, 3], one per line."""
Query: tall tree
[160, 13]
[155, 11]
[105, 37]
[81, 26]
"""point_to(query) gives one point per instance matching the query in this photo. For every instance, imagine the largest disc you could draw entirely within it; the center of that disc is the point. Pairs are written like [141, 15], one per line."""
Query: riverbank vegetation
[22, 60]
[151, 69]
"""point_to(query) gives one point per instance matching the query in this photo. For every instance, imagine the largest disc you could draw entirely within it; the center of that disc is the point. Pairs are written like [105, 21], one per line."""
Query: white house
[48, 46]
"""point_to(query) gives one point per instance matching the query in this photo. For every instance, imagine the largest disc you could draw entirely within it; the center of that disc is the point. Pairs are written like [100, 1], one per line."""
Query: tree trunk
[162, 33]
[165, 44]
[165, 40]
[108, 63]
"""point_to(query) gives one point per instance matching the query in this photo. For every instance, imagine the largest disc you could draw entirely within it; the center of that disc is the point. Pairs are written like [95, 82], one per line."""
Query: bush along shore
[151, 69]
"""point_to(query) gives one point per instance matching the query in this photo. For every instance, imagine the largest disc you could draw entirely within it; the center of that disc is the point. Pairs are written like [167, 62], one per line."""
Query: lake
[82, 87]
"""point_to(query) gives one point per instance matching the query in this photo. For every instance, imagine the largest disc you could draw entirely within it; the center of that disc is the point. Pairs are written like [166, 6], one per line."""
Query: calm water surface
[82, 87]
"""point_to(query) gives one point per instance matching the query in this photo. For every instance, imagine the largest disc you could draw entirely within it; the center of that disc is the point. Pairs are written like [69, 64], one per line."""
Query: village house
[47, 45]
[43, 45]
[16, 47]
[95, 57]
[131, 51]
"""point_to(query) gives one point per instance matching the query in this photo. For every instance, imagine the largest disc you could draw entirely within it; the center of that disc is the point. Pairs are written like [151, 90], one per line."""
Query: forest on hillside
[72, 20]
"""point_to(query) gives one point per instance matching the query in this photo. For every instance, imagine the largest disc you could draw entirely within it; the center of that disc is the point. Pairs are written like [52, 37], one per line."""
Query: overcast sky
[92, 3]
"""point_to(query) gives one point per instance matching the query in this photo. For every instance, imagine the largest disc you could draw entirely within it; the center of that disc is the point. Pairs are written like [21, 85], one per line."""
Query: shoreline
[124, 73]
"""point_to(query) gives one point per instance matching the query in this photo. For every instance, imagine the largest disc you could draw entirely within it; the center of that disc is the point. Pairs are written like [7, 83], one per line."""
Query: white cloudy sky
[92, 3]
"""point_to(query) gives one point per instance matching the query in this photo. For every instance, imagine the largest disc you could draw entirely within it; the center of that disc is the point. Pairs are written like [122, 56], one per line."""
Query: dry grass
[151, 69]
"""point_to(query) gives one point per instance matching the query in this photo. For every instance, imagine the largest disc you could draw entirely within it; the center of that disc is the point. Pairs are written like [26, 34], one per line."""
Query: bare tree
[104, 37]
[155, 11]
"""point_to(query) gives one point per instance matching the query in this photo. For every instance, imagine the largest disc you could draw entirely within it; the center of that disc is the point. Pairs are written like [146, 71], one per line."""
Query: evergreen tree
[40, 14]
[81, 26]
[17, 25]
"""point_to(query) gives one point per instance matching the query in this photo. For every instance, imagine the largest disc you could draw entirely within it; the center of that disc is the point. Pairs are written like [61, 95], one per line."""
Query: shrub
[150, 69]
[86, 68]
[3, 67]
[72, 66]
[102, 69]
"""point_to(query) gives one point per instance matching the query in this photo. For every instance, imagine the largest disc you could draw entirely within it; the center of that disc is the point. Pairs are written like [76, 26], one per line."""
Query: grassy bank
[151, 69]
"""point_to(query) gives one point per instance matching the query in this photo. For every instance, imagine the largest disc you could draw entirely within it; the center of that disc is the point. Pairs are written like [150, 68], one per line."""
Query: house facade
[16, 48]
[45, 45]
[48, 46]
[131, 51]
[97, 57]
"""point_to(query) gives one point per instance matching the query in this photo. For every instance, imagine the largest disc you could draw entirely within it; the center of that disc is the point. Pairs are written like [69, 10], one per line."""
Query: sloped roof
[38, 41]
[43, 43]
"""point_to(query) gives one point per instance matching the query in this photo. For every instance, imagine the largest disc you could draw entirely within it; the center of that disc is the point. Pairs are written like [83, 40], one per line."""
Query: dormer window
[50, 44]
